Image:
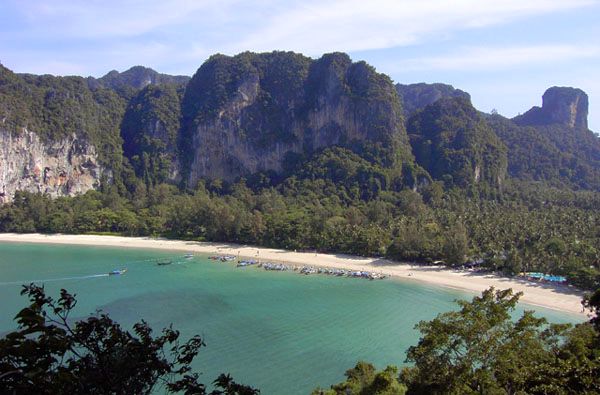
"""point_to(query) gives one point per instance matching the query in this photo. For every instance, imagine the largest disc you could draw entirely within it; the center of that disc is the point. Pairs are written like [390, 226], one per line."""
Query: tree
[50, 354]
[455, 245]
[363, 379]
[433, 193]
[481, 349]
[592, 302]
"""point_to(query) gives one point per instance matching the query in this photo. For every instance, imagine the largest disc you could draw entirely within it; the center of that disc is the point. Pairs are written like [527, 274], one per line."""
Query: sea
[281, 332]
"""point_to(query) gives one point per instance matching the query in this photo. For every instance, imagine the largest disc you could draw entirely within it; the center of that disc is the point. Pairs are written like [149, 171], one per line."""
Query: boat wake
[179, 260]
[49, 280]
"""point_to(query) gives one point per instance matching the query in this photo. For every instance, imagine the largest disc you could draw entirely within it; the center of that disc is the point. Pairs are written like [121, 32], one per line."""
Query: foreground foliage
[364, 380]
[480, 349]
[51, 354]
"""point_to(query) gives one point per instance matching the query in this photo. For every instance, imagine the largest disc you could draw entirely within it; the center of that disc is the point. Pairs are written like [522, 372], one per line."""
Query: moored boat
[246, 262]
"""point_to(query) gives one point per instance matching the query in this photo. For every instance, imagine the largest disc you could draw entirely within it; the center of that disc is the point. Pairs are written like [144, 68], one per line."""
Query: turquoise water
[281, 332]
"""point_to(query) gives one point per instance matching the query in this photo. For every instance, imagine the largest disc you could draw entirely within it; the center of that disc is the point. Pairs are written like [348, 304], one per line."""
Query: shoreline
[561, 298]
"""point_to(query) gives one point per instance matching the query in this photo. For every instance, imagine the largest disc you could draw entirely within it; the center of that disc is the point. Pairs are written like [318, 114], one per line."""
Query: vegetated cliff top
[126, 83]
[417, 96]
[56, 107]
[454, 143]
[552, 143]
[139, 77]
[289, 86]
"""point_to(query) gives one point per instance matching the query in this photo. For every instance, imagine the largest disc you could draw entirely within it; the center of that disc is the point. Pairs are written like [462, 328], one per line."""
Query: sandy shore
[558, 298]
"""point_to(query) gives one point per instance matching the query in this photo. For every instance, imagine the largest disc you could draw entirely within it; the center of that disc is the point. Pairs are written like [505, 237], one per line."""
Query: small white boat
[117, 272]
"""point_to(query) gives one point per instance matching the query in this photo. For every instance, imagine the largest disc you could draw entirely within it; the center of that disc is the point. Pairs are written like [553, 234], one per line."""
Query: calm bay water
[281, 332]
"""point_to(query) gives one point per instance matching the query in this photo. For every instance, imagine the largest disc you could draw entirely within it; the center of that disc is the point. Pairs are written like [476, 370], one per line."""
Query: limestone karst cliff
[56, 135]
[63, 167]
[247, 113]
[130, 81]
[552, 143]
[560, 105]
[272, 113]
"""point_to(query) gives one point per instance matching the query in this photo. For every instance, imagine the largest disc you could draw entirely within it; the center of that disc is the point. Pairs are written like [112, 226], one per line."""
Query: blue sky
[505, 53]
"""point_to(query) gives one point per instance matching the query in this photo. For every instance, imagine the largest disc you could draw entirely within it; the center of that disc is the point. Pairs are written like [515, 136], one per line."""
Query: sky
[505, 53]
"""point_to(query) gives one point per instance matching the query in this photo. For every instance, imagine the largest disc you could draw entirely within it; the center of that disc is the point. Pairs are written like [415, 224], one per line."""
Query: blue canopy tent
[546, 277]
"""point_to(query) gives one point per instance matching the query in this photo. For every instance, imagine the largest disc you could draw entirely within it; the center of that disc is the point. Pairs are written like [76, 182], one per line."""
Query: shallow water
[281, 332]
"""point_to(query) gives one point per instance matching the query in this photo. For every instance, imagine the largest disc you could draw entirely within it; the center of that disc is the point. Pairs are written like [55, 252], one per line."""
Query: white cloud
[90, 61]
[354, 25]
[485, 58]
[178, 35]
[104, 19]
[309, 26]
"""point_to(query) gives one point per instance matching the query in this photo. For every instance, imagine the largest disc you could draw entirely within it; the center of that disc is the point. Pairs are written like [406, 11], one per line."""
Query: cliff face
[568, 106]
[560, 105]
[56, 135]
[249, 113]
[64, 167]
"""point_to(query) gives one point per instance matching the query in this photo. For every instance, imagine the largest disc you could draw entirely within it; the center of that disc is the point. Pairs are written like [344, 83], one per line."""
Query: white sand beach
[561, 298]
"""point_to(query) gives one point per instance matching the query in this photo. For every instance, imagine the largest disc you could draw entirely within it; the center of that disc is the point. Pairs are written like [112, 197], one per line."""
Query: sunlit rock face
[65, 167]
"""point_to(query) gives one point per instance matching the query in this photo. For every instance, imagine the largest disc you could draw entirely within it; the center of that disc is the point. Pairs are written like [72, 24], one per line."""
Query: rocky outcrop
[415, 97]
[137, 77]
[552, 143]
[560, 105]
[250, 113]
[65, 167]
